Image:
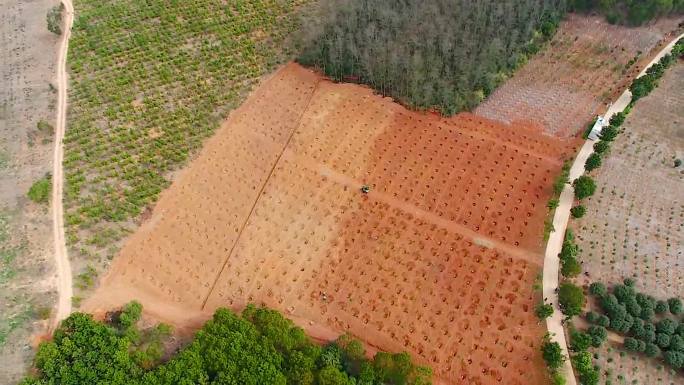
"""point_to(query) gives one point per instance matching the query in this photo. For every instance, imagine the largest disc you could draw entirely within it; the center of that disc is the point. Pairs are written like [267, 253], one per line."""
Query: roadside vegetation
[441, 54]
[629, 12]
[258, 347]
[645, 321]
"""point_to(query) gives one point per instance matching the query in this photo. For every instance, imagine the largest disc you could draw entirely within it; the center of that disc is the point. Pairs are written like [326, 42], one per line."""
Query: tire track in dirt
[64, 279]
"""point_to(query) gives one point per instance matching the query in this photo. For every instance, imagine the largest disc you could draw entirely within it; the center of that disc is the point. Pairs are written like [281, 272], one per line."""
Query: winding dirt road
[64, 284]
[560, 223]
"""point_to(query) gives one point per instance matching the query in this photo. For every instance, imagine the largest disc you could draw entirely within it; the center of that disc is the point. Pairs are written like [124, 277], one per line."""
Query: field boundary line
[560, 223]
[62, 264]
[260, 192]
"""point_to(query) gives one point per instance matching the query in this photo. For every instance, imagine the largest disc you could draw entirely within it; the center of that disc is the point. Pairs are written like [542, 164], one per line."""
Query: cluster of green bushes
[440, 54]
[259, 347]
[629, 12]
[640, 87]
[643, 85]
[39, 191]
[650, 325]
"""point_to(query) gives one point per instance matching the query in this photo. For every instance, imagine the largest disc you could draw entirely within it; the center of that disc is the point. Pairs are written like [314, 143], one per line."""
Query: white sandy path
[560, 223]
[64, 283]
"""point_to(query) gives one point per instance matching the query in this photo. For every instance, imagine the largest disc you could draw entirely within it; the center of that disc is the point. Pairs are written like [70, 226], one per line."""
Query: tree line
[442, 54]
[258, 347]
[630, 12]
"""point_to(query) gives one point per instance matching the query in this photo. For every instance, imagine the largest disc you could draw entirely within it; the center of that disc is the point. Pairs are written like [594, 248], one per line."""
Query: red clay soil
[439, 259]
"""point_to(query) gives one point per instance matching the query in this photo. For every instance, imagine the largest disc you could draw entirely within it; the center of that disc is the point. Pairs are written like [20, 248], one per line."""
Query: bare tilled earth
[586, 65]
[439, 259]
[634, 225]
[27, 65]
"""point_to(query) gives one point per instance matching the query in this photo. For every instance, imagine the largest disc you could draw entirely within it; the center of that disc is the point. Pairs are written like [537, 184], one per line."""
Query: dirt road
[560, 223]
[64, 284]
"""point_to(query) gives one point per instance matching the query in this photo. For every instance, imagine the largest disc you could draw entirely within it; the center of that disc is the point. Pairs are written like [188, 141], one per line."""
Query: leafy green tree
[130, 314]
[571, 299]
[666, 326]
[631, 344]
[579, 341]
[584, 187]
[662, 340]
[675, 305]
[592, 316]
[677, 342]
[598, 289]
[543, 311]
[601, 147]
[652, 350]
[593, 162]
[662, 307]
[598, 335]
[609, 133]
[578, 211]
[674, 359]
[552, 354]
[570, 267]
[330, 375]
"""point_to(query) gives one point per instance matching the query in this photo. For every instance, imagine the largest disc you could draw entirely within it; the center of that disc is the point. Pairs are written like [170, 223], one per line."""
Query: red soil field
[585, 66]
[439, 259]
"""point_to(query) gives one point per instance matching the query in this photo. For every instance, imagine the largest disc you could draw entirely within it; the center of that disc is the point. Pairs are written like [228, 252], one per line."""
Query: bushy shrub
[578, 211]
[571, 299]
[543, 311]
[54, 19]
[601, 147]
[570, 267]
[579, 341]
[39, 191]
[598, 289]
[652, 350]
[552, 354]
[675, 305]
[598, 335]
[584, 187]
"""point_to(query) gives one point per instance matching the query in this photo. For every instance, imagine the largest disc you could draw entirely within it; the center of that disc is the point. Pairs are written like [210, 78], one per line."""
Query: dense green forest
[630, 12]
[259, 347]
[443, 53]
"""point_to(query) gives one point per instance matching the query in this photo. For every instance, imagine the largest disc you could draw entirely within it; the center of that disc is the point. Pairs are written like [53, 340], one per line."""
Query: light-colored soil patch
[634, 224]
[271, 212]
[585, 66]
[27, 67]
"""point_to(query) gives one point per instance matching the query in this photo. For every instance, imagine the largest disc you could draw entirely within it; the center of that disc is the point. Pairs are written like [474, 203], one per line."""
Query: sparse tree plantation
[441, 54]
[150, 81]
[258, 347]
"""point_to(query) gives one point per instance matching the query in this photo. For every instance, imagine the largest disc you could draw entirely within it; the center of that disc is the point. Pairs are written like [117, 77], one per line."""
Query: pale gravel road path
[560, 223]
[64, 281]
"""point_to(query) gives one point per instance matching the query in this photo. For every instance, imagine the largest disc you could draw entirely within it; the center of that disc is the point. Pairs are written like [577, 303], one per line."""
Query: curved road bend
[560, 223]
[64, 284]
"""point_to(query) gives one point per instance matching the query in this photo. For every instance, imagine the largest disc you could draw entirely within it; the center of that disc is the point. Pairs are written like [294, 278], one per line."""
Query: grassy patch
[40, 190]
